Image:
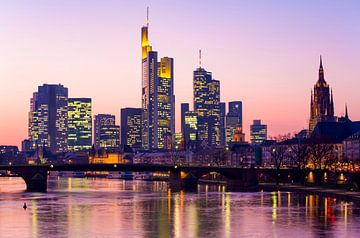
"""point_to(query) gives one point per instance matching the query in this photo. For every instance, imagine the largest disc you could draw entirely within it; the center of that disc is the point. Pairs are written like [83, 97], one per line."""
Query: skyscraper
[233, 119]
[130, 125]
[48, 118]
[258, 132]
[190, 127]
[207, 106]
[184, 109]
[106, 133]
[222, 124]
[322, 103]
[79, 124]
[158, 99]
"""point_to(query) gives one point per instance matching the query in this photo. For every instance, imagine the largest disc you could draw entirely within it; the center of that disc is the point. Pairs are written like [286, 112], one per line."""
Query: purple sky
[265, 53]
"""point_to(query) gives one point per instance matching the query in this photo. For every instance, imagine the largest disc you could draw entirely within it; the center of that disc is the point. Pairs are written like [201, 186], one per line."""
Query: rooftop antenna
[200, 58]
[147, 16]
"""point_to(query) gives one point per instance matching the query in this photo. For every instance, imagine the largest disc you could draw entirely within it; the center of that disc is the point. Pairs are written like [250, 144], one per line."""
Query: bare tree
[278, 158]
[321, 155]
[298, 154]
[219, 156]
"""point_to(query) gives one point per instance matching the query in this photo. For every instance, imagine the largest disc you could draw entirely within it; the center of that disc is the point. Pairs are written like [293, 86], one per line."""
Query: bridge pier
[35, 178]
[246, 181]
[177, 182]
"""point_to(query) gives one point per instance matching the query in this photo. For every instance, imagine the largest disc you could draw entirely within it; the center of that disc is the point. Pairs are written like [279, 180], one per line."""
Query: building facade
[106, 133]
[158, 99]
[258, 132]
[48, 118]
[322, 104]
[130, 126]
[351, 147]
[79, 124]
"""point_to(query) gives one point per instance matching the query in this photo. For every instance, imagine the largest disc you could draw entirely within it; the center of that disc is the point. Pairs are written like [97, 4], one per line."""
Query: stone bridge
[183, 176]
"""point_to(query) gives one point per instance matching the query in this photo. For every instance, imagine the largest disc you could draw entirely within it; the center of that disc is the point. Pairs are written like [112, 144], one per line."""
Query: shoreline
[338, 193]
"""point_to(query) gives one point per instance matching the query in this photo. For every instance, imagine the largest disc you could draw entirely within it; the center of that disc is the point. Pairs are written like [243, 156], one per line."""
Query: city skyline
[272, 83]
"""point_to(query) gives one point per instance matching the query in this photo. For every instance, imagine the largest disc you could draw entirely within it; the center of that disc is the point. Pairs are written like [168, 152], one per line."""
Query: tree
[278, 158]
[298, 154]
[321, 155]
[219, 156]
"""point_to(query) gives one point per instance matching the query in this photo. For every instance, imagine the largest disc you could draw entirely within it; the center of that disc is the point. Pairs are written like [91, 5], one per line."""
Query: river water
[84, 207]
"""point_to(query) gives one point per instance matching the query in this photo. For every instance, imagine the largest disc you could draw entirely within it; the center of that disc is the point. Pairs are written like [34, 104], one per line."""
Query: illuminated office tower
[165, 98]
[106, 133]
[190, 127]
[184, 109]
[33, 128]
[233, 119]
[158, 99]
[48, 119]
[207, 106]
[130, 125]
[222, 124]
[79, 124]
[258, 132]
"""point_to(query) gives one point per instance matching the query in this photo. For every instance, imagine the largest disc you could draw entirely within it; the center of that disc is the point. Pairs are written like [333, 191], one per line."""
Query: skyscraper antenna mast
[200, 58]
[147, 16]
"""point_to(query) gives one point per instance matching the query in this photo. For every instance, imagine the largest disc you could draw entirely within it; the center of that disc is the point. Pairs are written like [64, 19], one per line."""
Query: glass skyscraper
[207, 106]
[190, 127]
[258, 132]
[48, 118]
[233, 119]
[158, 99]
[130, 125]
[79, 124]
[222, 124]
[184, 109]
[106, 133]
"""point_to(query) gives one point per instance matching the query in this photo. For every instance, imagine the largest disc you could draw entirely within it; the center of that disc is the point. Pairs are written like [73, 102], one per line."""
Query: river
[94, 207]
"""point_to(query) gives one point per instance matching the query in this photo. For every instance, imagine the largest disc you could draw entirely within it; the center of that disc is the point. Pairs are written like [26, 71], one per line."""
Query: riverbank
[338, 193]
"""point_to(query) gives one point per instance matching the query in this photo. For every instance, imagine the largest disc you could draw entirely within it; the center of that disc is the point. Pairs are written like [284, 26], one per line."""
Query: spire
[147, 16]
[346, 112]
[321, 80]
[321, 66]
[200, 58]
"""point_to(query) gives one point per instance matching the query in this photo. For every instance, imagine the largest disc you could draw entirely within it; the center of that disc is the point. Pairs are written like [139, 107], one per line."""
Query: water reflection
[79, 207]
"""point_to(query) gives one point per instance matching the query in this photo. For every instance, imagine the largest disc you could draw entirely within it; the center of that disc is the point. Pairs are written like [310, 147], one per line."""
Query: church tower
[322, 103]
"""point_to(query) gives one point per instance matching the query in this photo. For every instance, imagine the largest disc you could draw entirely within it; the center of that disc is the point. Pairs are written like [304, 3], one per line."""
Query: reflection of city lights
[34, 218]
[227, 216]
[169, 202]
[177, 221]
[274, 206]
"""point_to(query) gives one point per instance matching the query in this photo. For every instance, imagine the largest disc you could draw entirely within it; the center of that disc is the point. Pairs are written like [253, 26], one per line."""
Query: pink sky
[265, 53]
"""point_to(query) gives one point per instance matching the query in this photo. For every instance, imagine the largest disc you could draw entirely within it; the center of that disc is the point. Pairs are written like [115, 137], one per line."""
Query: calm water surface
[80, 207]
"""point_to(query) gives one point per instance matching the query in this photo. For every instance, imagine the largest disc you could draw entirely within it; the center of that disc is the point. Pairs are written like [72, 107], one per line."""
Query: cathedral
[322, 104]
